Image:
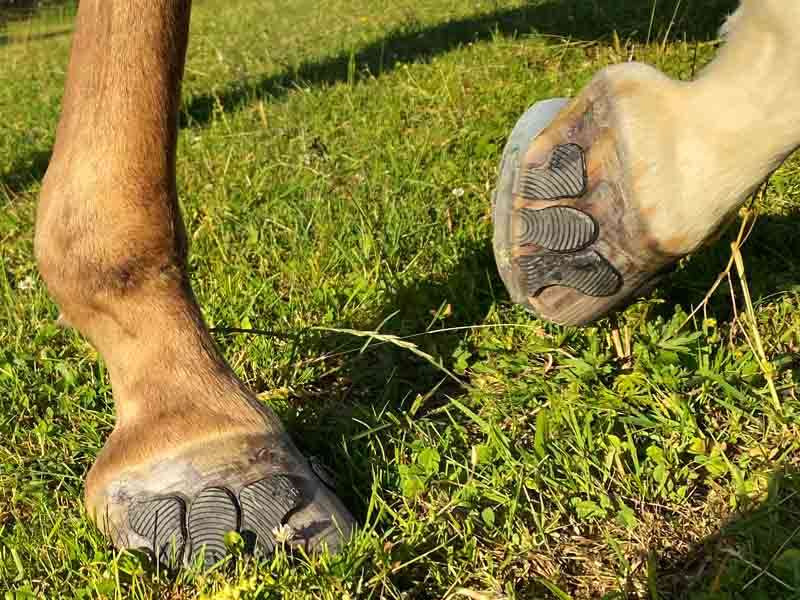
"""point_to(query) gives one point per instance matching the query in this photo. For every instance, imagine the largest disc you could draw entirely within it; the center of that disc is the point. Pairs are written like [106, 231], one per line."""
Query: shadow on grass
[770, 269]
[367, 384]
[581, 19]
[6, 40]
[23, 10]
[387, 379]
[755, 556]
[25, 172]
[759, 546]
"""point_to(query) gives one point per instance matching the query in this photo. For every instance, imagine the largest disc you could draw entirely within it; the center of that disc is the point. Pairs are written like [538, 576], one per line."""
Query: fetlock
[105, 258]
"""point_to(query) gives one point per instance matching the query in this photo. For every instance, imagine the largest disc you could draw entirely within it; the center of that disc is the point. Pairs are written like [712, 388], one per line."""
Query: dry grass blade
[752, 336]
[749, 218]
[758, 346]
[754, 566]
[395, 341]
[763, 571]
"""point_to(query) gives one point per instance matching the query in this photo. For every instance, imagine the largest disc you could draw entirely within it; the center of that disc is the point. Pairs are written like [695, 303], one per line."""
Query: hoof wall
[570, 242]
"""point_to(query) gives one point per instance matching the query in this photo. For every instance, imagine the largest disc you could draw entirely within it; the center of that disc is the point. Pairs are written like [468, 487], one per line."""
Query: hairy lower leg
[744, 108]
[750, 93]
[695, 150]
[110, 241]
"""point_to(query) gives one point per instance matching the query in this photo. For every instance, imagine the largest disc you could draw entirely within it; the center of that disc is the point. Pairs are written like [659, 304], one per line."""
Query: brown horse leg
[193, 454]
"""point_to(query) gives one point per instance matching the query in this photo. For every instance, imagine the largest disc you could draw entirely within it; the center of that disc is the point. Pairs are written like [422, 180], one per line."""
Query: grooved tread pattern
[564, 177]
[321, 471]
[161, 522]
[213, 513]
[558, 228]
[265, 503]
[586, 271]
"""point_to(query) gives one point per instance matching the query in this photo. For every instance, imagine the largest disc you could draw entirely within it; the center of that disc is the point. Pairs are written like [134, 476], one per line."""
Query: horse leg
[193, 453]
[596, 201]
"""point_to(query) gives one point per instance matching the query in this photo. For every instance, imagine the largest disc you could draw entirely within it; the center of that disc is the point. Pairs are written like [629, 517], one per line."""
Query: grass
[335, 166]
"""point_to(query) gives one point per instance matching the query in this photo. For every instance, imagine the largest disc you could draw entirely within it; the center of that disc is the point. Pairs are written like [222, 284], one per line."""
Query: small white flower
[283, 533]
[458, 192]
[27, 284]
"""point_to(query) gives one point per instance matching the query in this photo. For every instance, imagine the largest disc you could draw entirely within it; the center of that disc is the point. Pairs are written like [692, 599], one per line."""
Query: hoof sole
[177, 533]
[560, 229]
[587, 272]
[163, 523]
[569, 242]
[564, 177]
[264, 506]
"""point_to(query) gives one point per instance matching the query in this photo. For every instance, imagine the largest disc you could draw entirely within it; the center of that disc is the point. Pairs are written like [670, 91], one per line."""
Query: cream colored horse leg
[640, 170]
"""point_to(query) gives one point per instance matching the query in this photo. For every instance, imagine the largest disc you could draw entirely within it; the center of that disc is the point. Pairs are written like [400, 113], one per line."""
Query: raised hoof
[568, 243]
[180, 510]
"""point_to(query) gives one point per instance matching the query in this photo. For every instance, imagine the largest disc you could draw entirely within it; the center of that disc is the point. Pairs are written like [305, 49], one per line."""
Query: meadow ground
[335, 165]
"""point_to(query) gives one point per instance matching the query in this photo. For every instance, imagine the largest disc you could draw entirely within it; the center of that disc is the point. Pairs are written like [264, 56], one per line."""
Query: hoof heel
[265, 504]
[161, 523]
[564, 177]
[212, 514]
[559, 228]
[587, 272]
